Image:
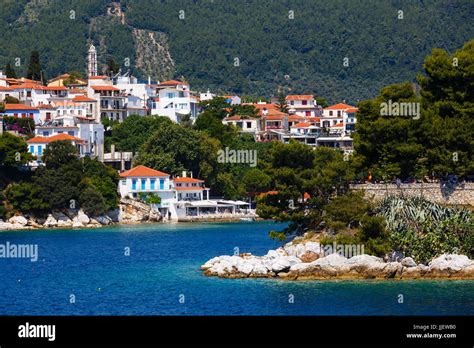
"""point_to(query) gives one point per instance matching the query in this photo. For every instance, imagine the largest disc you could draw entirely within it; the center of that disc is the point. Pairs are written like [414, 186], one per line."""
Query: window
[23, 115]
[162, 184]
[32, 149]
[249, 124]
[304, 102]
[330, 113]
[46, 133]
[134, 184]
[28, 94]
[70, 133]
[170, 95]
[123, 182]
[152, 184]
[307, 113]
[40, 149]
[338, 113]
[31, 115]
[143, 184]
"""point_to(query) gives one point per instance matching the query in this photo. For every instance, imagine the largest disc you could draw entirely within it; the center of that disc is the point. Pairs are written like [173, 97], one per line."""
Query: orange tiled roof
[352, 110]
[142, 171]
[19, 107]
[302, 125]
[339, 106]
[338, 125]
[57, 137]
[98, 77]
[83, 98]
[105, 88]
[172, 83]
[182, 179]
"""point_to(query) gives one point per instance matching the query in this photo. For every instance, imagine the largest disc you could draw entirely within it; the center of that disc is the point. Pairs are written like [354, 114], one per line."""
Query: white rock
[50, 221]
[77, 224]
[280, 264]
[408, 262]
[259, 269]
[272, 254]
[333, 260]
[313, 246]
[450, 261]
[364, 259]
[18, 220]
[245, 268]
[82, 217]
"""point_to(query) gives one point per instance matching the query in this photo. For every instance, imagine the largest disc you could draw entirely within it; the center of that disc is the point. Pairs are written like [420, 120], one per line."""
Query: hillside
[298, 45]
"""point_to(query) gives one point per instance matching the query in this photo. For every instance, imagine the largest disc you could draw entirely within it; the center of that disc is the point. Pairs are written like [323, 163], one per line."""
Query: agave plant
[425, 229]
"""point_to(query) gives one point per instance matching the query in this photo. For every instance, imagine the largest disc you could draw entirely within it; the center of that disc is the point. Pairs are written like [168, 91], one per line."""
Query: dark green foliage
[13, 151]
[28, 198]
[59, 153]
[304, 53]
[10, 72]
[92, 202]
[133, 131]
[11, 100]
[440, 142]
[34, 71]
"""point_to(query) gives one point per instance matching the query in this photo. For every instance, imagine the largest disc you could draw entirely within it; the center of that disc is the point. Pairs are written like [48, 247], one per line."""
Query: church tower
[92, 61]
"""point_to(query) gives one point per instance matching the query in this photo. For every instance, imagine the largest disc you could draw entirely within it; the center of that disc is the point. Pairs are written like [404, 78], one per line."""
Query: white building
[182, 198]
[339, 117]
[250, 125]
[173, 99]
[303, 105]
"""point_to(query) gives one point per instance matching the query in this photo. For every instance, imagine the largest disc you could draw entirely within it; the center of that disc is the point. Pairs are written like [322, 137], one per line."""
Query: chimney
[112, 151]
[184, 173]
[190, 174]
[149, 80]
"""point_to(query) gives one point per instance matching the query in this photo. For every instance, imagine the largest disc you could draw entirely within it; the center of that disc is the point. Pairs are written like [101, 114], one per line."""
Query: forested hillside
[249, 47]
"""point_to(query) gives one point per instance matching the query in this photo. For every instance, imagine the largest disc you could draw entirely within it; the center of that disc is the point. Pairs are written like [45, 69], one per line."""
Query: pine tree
[282, 104]
[34, 68]
[10, 72]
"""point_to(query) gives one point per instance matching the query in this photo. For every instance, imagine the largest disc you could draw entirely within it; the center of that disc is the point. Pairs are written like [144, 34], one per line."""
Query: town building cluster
[73, 108]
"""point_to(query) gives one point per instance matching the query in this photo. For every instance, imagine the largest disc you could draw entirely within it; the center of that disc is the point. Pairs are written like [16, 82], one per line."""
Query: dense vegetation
[65, 183]
[300, 55]
[441, 141]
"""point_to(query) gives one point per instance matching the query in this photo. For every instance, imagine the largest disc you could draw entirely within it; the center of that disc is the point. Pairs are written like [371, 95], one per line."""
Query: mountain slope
[244, 46]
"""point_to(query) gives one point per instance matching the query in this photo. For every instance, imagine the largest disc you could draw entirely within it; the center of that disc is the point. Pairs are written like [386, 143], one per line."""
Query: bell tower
[92, 61]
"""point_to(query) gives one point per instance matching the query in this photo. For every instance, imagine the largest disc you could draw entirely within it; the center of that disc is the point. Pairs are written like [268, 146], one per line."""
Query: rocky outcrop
[132, 211]
[294, 261]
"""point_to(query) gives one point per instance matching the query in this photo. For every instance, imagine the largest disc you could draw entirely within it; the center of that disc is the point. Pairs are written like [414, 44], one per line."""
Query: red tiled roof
[27, 86]
[172, 83]
[83, 98]
[338, 125]
[19, 107]
[274, 117]
[302, 125]
[352, 110]
[5, 88]
[54, 88]
[98, 77]
[142, 171]
[190, 188]
[182, 179]
[339, 106]
[299, 97]
[57, 137]
[46, 106]
[105, 88]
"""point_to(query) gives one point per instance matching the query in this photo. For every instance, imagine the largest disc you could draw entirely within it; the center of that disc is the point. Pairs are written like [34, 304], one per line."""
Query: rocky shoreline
[129, 212]
[304, 261]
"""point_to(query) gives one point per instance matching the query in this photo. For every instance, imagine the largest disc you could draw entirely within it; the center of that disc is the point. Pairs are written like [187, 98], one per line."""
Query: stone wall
[460, 194]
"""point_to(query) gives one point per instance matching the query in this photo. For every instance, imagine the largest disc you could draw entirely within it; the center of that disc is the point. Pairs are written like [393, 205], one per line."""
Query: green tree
[92, 202]
[282, 104]
[256, 181]
[59, 153]
[111, 66]
[28, 197]
[13, 151]
[9, 71]
[34, 71]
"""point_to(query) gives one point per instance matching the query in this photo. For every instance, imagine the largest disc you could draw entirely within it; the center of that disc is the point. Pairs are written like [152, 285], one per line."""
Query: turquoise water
[162, 277]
